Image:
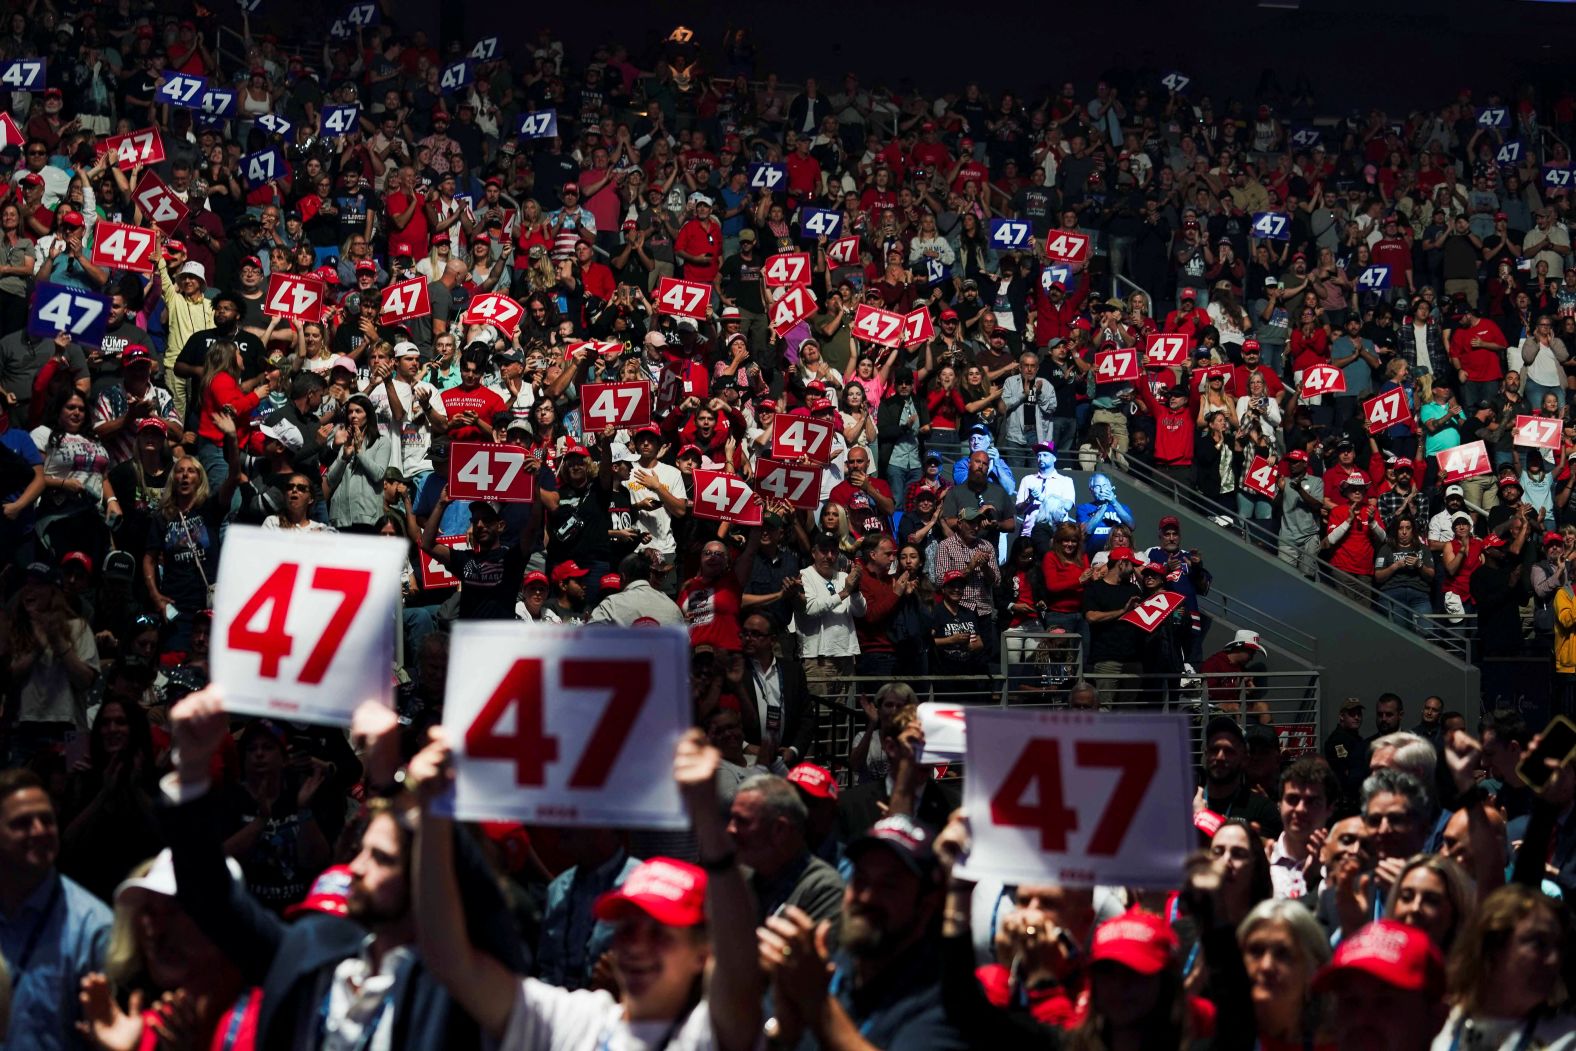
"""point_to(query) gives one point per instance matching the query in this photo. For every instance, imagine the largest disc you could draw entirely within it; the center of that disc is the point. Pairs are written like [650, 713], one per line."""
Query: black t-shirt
[621, 515]
[743, 281]
[580, 526]
[489, 581]
[944, 623]
[1112, 640]
[253, 355]
[182, 541]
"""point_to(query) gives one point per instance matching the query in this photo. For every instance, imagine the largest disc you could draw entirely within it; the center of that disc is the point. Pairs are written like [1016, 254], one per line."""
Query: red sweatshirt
[1174, 430]
[874, 628]
[225, 389]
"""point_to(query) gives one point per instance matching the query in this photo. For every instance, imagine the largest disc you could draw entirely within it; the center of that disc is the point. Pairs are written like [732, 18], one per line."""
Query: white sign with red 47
[567, 726]
[683, 298]
[616, 404]
[1077, 799]
[725, 497]
[295, 297]
[1539, 432]
[798, 484]
[494, 308]
[302, 625]
[800, 437]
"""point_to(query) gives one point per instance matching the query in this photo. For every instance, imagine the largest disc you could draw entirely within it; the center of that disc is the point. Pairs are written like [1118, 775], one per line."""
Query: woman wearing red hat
[684, 949]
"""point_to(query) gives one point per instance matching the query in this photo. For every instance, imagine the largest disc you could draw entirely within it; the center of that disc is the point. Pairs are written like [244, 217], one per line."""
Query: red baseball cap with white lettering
[816, 781]
[1397, 955]
[670, 892]
[1140, 941]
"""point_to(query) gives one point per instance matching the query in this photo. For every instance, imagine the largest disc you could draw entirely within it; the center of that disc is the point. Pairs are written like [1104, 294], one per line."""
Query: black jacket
[889, 415]
[292, 961]
[798, 717]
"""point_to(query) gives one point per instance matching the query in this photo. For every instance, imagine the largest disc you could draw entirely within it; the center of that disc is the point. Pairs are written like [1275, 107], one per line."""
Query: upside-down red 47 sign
[799, 484]
[481, 471]
[615, 404]
[801, 438]
[1076, 798]
[158, 202]
[405, 301]
[683, 298]
[1386, 410]
[1322, 379]
[1119, 365]
[1462, 462]
[1149, 613]
[294, 296]
[121, 247]
[567, 726]
[301, 626]
[1260, 478]
[494, 308]
[726, 498]
[1539, 432]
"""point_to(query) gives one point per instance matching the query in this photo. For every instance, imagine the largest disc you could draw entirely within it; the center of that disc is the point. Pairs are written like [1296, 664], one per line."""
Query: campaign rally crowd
[792, 371]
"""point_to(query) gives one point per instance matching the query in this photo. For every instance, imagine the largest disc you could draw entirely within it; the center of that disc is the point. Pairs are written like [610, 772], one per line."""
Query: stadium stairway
[1356, 650]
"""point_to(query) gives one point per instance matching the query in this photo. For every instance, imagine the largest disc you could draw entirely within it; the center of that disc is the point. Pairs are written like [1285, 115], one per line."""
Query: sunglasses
[297, 487]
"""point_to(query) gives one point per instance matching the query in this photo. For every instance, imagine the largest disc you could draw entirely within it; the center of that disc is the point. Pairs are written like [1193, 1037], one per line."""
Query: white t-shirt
[415, 434]
[547, 1018]
[657, 522]
[1482, 1033]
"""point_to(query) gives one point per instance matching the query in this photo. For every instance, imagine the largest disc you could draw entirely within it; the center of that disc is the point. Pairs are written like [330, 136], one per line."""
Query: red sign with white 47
[1260, 478]
[1386, 410]
[158, 202]
[479, 471]
[1150, 613]
[615, 404]
[1077, 799]
[567, 726]
[294, 297]
[726, 498]
[494, 308]
[878, 326]
[790, 268]
[1539, 432]
[121, 247]
[798, 484]
[1116, 366]
[795, 305]
[683, 298]
[405, 301]
[801, 438]
[1462, 462]
[1167, 348]
[1070, 246]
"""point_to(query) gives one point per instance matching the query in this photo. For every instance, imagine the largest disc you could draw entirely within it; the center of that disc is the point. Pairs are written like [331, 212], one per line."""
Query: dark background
[1399, 53]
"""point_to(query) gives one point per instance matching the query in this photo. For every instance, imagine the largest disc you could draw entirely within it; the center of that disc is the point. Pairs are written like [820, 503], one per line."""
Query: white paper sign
[567, 725]
[943, 726]
[303, 625]
[1077, 798]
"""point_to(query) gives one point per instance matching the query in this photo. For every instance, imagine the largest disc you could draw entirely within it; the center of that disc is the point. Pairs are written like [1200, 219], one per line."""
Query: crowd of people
[170, 876]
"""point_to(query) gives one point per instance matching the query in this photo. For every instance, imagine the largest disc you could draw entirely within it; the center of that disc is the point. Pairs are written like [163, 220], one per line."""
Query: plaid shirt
[979, 587]
[1389, 506]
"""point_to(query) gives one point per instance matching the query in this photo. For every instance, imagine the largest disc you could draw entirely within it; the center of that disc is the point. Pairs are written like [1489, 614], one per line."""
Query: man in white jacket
[832, 600]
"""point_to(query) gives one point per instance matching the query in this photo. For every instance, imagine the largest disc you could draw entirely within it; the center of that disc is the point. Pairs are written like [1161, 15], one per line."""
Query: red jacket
[1056, 322]
[225, 389]
[1174, 430]
[874, 628]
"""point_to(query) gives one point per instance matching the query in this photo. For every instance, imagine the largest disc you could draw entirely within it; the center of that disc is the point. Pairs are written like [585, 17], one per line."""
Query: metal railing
[1252, 532]
[1119, 280]
[1286, 701]
[1222, 605]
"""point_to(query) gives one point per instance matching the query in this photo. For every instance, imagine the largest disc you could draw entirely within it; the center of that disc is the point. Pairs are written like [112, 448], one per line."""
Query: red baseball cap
[1206, 821]
[954, 576]
[400, 248]
[612, 582]
[669, 891]
[173, 247]
[1399, 956]
[32, 179]
[330, 894]
[252, 261]
[1124, 554]
[1169, 522]
[568, 571]
[815, 781]
[536, 576]
[366, 266]
[513, 843]
[71, 219]
[1139, 941]
[1250, 344]
[1299, 455]
[133, 353]
[77, 558]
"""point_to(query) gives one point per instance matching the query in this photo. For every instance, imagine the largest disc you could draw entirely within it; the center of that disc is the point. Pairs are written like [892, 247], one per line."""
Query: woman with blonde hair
[1507, 976]
[1435, 895]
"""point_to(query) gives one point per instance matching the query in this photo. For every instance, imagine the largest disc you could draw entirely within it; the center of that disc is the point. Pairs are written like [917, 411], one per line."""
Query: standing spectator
[1352, 534]
[967, 551]
[1308, 793]
[833, 601]
[1301, 502]
[355, 478]
[1477, 351]
[1115, 646]
[1028, 406]
[1404, 573]
[52, 932]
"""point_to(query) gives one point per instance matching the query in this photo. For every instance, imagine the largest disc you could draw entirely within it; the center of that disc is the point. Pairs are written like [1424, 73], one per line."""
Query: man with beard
[122, 407]
[355, 976]
[228, 310]
[768, 822]
[489, 572]
[1226, 790]
[885, 988]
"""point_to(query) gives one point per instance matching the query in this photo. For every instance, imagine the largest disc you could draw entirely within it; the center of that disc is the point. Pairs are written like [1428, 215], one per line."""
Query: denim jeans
[899, 479]
[211, 457]
[1408, 608]
[1534, 393]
